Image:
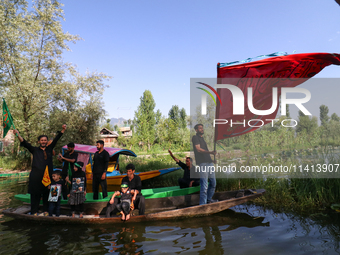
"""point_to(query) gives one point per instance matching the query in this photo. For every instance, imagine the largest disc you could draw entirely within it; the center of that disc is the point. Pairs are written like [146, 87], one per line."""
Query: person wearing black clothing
[54, 206]
[134, 183]
[101, 162]
[126, 198]
[42, 158]
[186, 181]
[203, 159]
[69, 158]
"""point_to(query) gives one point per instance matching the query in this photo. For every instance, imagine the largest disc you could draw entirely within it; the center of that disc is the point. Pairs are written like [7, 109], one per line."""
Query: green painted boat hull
[173, 191]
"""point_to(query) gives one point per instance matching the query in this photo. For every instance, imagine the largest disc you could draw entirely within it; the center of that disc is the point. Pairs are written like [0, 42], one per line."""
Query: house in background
[126, 131]
[109, 137]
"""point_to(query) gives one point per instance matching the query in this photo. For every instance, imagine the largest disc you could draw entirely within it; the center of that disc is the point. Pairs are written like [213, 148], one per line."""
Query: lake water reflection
[245, 229]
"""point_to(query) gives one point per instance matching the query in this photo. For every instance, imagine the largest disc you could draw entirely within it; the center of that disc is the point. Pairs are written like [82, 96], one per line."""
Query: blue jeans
[54, 207]
[207, 192]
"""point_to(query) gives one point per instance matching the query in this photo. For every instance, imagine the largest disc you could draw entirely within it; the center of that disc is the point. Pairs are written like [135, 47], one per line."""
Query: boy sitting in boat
[126, 200]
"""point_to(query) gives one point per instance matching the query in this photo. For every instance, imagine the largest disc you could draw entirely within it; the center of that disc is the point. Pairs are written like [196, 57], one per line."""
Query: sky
[159, 45]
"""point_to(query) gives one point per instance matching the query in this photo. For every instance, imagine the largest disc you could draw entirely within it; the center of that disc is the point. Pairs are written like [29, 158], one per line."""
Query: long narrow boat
[98, 205]
[156, 209]
[114, 177]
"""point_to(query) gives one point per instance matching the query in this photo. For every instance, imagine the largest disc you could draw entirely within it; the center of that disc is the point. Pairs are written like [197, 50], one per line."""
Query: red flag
[255, 74]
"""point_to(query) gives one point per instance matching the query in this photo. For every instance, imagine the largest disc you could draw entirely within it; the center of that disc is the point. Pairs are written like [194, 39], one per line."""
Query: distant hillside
[115, 121]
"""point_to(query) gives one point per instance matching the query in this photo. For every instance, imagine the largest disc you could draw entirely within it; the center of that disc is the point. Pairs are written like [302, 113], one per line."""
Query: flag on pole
[46, 179]
[69, 172]
[7, 118]
[249, 74]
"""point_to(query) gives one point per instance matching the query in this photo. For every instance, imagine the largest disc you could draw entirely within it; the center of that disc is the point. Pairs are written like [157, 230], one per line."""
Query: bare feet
[128, 217]
[73, 215]
[123, 216]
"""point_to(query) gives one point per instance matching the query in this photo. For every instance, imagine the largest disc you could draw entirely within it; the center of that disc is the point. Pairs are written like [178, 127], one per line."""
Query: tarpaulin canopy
[90, 149]
[287, 68]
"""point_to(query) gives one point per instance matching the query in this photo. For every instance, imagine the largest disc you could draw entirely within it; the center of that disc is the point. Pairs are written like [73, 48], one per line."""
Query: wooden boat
[113, 176]
[98, 205]
[156, 209]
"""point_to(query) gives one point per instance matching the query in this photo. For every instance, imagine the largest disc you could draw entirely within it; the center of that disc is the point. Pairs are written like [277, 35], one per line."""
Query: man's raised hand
[64, 128]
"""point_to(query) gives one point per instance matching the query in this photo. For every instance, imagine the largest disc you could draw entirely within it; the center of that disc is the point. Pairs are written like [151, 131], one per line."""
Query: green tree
[287, 111]
[158, 116]
[174, 115]
[335, 117]
[307, 124]
[145, 120]
[37, 84]
[183, 118]
[324, 118]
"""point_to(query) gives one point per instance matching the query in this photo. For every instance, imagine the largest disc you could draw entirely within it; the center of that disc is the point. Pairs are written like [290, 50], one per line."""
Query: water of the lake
[246, 229]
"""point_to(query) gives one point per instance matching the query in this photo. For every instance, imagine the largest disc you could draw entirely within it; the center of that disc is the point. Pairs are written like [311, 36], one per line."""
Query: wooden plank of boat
[227, 199]
[147, 193]
[14, 174]
[117, 179]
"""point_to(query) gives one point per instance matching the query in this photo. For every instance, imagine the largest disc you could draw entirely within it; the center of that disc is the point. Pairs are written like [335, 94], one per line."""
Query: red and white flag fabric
[289, 71]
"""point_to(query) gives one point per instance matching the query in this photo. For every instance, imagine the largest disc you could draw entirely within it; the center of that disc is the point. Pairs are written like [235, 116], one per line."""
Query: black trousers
[35, 201]
[95, 186]
[139, 204]
[184, 183]
[124, 207]
[64, 189]
[54, 207]
[79, 208]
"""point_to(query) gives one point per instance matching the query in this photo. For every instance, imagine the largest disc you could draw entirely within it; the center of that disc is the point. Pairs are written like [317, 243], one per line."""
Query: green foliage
[41, 90]
[183, 118]
[335, 117]
[108, 125]
[324, 118]
[145, 120]
[306, 123]
[174, 115]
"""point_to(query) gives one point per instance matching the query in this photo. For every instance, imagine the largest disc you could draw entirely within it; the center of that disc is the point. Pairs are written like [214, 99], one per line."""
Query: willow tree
[36, 82]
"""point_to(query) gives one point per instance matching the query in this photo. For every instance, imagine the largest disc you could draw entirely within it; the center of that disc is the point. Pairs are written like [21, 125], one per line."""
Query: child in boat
[55, 194]
[77, 194]
[126, 200]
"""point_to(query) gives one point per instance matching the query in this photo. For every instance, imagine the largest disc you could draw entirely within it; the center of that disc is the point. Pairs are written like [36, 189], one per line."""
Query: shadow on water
[246, 229]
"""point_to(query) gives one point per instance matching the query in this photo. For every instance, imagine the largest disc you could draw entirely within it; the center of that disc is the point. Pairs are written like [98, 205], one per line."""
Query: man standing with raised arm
[42, 158]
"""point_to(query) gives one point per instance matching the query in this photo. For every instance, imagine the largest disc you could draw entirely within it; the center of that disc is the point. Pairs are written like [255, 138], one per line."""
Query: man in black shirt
[42, 158]
[186, 181]
[135, 183]
[101, 162]
[69, 158]
[203, 159]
